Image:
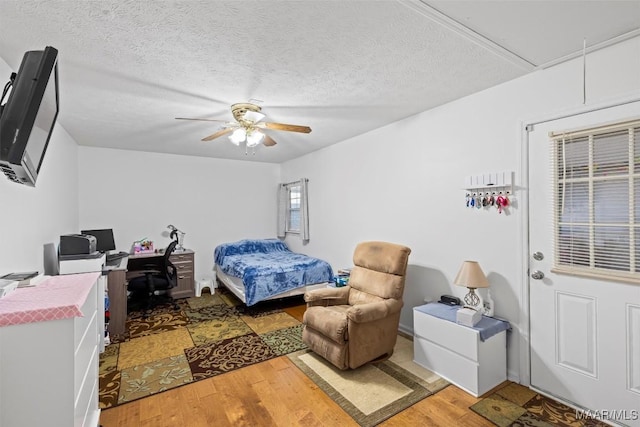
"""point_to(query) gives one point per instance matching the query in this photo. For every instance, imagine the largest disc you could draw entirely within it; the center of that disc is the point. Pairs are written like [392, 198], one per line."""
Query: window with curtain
[293, 208]
[597, 201]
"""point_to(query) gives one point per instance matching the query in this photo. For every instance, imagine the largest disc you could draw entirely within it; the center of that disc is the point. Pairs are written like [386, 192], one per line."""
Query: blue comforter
[268, 268]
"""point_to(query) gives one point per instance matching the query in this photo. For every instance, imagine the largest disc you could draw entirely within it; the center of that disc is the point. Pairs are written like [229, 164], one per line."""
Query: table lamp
[472, 276]
[178, 236]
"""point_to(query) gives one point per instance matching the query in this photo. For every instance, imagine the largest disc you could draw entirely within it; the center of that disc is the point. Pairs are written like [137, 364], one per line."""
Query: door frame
[524, 348]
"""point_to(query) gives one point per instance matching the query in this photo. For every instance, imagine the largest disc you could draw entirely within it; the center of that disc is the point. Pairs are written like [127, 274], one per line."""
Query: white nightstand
[456, 352]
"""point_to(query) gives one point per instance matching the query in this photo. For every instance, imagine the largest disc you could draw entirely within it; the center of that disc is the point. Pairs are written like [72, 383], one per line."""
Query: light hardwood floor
[276, 393]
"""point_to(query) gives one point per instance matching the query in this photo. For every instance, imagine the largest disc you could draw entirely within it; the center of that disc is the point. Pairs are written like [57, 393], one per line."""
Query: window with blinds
[597, 201]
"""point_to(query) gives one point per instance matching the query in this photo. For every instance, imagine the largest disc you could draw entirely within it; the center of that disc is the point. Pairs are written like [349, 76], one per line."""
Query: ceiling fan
[248, 126]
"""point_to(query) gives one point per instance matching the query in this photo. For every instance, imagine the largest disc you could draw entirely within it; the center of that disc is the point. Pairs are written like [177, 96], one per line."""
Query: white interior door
[584, 332]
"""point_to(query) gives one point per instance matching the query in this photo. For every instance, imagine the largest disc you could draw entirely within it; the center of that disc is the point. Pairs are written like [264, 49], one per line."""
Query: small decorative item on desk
[489, 305]
[143, 246]
[178, 236]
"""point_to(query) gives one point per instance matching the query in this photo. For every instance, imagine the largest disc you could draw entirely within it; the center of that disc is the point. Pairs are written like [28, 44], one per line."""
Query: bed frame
[236, 287]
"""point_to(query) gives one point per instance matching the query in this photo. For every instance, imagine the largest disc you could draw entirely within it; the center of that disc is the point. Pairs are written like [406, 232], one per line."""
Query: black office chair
[157, 277]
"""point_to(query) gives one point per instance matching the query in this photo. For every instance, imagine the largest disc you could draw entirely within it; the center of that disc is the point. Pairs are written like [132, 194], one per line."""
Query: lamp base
[473, 300]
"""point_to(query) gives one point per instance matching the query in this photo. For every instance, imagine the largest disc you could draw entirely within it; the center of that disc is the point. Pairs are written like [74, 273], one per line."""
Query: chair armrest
[371, 311]
[327, 296]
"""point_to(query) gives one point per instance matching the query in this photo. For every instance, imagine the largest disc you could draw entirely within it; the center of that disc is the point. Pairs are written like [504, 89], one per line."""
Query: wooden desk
[129, 268]
[117, 291]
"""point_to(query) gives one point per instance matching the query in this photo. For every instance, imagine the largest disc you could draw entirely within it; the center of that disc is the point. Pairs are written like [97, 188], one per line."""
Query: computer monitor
[104, 239]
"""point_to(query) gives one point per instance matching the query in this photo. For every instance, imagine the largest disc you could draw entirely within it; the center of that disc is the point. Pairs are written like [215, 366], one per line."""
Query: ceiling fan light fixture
[247, 128]
[254, 138]
[238, 136]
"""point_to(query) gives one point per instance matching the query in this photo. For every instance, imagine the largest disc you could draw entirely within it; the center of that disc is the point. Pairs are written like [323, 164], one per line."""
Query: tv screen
[104, 239]
[28, 116]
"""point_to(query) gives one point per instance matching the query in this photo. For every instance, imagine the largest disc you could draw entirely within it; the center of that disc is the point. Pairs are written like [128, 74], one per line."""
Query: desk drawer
[185, 287]
[185, 281]
[457, 338]
[184, 267]
[181, 258]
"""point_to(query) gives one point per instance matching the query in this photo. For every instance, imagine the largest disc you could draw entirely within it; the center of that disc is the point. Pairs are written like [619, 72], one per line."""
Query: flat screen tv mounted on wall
[28, 116]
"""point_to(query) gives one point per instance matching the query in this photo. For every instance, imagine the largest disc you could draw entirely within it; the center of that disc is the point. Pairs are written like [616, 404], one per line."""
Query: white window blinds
[597, 199]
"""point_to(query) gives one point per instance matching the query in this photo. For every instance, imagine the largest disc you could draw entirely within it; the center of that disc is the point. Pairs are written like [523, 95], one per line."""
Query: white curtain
[283, 202]
[304, 210]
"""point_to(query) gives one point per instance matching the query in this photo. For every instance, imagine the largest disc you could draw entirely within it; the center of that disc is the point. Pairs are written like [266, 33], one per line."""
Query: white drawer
[450, 366]
[88, 310]
[86, 399]
[84, 354]
[458, 339]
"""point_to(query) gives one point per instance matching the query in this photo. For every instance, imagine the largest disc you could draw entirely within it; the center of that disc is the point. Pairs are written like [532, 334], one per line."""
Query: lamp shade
[238, 136]
[471, 276]
[254, 138]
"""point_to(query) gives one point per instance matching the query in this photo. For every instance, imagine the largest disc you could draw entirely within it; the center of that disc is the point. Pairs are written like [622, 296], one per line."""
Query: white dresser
[457, 353]
[49, 351]
[88, 265]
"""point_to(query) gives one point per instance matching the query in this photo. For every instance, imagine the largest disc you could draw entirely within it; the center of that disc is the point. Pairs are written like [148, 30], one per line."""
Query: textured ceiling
[128, 68]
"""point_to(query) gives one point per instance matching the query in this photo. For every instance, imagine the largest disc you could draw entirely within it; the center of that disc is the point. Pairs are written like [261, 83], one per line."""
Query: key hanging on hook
[501, 202]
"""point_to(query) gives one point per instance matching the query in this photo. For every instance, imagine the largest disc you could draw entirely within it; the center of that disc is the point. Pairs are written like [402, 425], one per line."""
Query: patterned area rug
[208, 336]
[391, 386]
[518, 406]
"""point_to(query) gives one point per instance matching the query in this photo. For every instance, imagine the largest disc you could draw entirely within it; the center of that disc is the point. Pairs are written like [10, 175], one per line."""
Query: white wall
[404, 182]
[213, 200]
[31, 218]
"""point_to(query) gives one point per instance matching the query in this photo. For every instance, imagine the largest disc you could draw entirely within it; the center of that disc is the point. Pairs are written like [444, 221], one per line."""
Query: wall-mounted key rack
[489, 190]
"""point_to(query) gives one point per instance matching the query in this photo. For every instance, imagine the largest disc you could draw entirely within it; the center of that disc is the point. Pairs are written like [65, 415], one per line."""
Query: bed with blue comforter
[268, 268]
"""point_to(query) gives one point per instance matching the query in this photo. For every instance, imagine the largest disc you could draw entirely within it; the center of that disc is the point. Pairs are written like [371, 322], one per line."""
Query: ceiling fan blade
[202, 120]
[289, 128]
[268, 141]
[218, 134]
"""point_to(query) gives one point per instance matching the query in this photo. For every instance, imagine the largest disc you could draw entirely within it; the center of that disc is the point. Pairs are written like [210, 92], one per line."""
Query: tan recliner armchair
[358, 323]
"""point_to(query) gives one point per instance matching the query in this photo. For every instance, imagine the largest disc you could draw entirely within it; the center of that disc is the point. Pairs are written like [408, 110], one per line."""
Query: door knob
[538, 256]
[537, 275]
